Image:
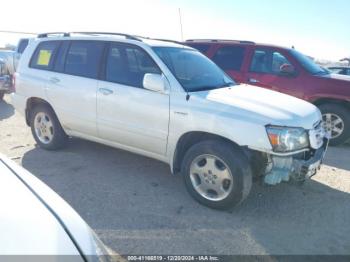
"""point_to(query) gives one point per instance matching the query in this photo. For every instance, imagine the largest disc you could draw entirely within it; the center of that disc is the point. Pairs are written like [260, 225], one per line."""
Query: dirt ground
[137, 207]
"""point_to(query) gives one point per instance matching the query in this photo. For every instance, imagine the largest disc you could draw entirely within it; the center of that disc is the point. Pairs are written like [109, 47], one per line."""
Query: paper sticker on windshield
[44, 57]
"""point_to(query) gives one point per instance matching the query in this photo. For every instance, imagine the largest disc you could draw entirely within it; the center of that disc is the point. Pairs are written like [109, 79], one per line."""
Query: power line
[18, 32]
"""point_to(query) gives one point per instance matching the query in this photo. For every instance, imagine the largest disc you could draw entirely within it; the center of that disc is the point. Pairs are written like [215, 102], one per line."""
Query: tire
[334, 112]
[1, 95]
[46, 129]
[229, 162]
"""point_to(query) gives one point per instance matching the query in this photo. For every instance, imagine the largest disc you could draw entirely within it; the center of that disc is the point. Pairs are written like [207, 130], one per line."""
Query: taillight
[13, 88]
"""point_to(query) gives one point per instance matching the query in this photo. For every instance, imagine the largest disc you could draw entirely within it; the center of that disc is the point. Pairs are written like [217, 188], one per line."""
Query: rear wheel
[46, 129]
[336, 121]
[217, 174]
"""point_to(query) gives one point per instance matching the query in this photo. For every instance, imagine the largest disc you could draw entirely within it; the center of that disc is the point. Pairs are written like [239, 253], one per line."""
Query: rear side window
[128, 65]
[229, 57]
[83, 58]
[44, 55]
[23, 43]
[203, 48]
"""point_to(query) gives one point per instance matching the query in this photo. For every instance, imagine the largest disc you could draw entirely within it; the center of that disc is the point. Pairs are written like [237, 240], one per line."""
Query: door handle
[105, 91]
[253, 80]
[54, 80]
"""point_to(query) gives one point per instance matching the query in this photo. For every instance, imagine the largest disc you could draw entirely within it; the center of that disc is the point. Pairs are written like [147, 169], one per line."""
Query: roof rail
[43, 35]
[166, 40]
[66, 34]
[127, 36]
[221, 40]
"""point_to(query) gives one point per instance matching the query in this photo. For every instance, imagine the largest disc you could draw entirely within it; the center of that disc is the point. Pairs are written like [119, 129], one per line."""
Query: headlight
[287, 139]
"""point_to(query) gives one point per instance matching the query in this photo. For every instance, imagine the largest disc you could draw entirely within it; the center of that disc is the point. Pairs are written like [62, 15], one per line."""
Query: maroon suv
[288, 71]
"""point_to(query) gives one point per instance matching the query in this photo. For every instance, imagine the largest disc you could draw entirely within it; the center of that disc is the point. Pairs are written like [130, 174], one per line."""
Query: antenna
[182, 34]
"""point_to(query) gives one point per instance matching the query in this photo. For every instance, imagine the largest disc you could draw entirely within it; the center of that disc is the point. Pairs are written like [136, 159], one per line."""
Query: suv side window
[267, 62]
[128, 65]
[229, 57]
[43, 55]
[203, 48]
[61, 55]
[277, 61]
[83, 58]
[23, 43]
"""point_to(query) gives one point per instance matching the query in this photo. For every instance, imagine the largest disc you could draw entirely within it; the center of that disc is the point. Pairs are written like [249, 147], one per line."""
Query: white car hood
[262, 105]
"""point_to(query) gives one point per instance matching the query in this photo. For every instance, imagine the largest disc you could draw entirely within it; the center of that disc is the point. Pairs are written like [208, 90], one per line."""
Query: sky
[319, 28]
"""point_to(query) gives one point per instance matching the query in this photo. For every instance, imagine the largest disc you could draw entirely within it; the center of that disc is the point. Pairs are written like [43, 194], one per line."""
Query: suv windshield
[308, 64]
[194, 71]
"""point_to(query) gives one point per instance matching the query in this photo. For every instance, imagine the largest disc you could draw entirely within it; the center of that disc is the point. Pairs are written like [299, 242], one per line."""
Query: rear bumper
[5, 88]
[5, 84]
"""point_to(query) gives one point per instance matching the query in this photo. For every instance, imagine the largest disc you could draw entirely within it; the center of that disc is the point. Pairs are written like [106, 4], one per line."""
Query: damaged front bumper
[296, 167]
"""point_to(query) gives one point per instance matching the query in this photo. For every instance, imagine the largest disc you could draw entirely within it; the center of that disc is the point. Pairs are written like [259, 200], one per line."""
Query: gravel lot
[137, 207]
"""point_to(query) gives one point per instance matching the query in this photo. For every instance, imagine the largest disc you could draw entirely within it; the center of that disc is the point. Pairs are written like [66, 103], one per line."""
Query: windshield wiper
[321, 73]
[206, 88]
[226, 85]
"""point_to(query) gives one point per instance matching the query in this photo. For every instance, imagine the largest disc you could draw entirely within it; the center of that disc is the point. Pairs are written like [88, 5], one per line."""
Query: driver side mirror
[287, 70]
[154, 82]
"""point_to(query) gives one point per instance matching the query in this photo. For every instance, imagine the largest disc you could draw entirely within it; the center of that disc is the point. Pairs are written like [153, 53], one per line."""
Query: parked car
[8, 57]
[287, 71]
[169, 102]
[21, 46]
[341, 70]
[5, 80]
[36, 221]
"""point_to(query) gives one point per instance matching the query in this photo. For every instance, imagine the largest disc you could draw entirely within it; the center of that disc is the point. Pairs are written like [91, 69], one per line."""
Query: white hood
[263, 106]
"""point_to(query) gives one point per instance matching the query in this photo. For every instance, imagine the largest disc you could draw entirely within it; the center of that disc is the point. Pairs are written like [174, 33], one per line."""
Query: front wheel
[46, 128]
[336, 121]
[217, 174]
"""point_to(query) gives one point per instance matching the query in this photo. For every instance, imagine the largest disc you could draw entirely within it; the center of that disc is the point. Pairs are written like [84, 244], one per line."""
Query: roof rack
[43, 35]
[164, 40]
[67, 34]
[127, 36]
[221, 40]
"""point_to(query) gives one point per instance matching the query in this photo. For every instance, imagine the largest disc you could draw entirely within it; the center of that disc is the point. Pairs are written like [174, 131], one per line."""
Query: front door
[265, 71]
[127, 113]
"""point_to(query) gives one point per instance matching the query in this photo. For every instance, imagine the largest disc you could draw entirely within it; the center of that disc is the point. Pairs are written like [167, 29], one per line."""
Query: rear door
[72, 84]
[230, 59]
[127, 113]
[265, 71]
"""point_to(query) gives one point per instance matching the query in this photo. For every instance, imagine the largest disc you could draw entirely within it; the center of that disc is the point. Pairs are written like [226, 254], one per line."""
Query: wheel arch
[320, 101]
[31, 103]
[187, 140]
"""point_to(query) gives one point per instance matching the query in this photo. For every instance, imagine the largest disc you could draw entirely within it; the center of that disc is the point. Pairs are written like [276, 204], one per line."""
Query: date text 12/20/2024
[173, 258]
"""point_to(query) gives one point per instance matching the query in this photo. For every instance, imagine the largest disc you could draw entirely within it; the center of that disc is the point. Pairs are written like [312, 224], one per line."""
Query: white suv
[169, 102]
